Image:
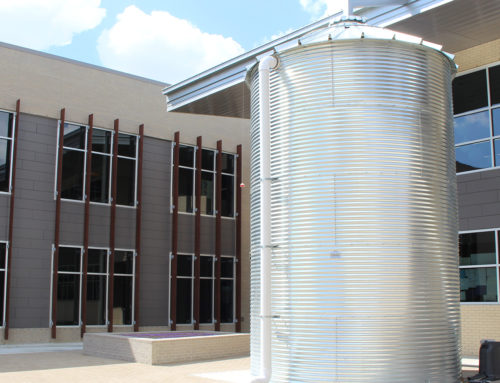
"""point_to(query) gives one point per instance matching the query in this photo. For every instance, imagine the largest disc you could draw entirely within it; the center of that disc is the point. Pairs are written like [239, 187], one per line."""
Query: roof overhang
[455, 24]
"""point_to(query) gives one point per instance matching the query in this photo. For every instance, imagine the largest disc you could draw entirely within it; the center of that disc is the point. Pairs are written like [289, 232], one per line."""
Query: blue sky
[167, 40]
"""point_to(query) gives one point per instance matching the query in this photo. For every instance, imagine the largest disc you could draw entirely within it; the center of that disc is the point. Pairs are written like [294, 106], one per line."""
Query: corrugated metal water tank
[364, 215]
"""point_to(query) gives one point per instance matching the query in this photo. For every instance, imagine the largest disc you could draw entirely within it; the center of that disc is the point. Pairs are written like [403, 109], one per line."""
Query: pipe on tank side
[265, 65]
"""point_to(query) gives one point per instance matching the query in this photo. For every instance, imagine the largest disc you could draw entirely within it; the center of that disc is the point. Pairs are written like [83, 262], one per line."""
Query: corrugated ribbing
[364, 215]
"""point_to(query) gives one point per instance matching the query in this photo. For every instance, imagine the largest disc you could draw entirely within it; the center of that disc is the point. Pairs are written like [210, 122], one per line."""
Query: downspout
[265, 65]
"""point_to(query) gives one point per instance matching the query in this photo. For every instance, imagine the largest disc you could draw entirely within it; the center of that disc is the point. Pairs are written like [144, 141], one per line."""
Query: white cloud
[161, 46]
[40, 24]
[322, 8]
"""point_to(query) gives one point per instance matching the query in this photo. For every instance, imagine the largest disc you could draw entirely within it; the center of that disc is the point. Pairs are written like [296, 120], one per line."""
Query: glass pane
[473, 156]
[124, 262]
[183, 305]
[69, 259]
[4, 165]
[2, 293]
[101, 141]
[97, 261]
[184, 265]
[227, 163]
[206, 300]
[126, 145]
[125, 182]
[207, 193]
[68, 299]
[99, 178]
[478, 285]
[185, 190]
[496, 121]
[469, 92]
[472, 127]
[207, 159]
[206, 266]
[3, 255]
[6, 124]
[122, 300]
[497, 152]
[495, 84]
[72, 174]
[226, 267]
[74, 136]
[477, 249]
[186, 156]
[226, 301]
[227, 208]
[96, 299]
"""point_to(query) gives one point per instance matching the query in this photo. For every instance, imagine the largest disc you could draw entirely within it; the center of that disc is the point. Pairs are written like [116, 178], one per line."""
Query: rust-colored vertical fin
[175, 222]
[11, 219]
[138, 222]
[238, 237]
[57, 223]
[112, 219]
[86, 225]
[218, 234]
[197, 237]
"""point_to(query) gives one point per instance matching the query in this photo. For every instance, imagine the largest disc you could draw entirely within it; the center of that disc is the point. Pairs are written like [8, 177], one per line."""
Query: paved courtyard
[65, 363]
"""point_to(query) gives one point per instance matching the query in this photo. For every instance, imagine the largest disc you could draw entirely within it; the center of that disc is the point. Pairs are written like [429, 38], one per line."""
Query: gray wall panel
[155, 233]
[228, 245]
[99, 225]
[125, 228]
[71, 228]
[186, 233]
[207, 235]
[33, 222]
[479, 200]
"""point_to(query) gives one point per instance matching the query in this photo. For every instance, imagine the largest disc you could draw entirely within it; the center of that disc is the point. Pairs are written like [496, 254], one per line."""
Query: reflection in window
[470, 92]
[125, 182]
[473, 156]
[100, 178]
[122, 300]
[472, 127]
[74, 136]
[227, 191]
[68, 286]
[127, 145]
[494, 74]
[496, 121]
[226, 301]
[478, 285]
[72, 174]
[186, 190]
[6, 128]
[207, 192]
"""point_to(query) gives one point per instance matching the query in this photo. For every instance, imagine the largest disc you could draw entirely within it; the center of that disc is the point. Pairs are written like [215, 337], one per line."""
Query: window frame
[496, 265]
[489, 108]
[5, 270]
[214, 172]
[111, 155]
[107, 274]
[11, 139]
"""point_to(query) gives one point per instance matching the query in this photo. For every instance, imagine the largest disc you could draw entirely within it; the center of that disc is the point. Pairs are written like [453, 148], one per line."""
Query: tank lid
[354, 28]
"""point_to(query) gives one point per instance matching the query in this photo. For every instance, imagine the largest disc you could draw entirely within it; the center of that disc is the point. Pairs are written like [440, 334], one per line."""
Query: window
[476, 103]
[74, 165]
[479, 266]
[3, 280]
[6, 134]
[70, 286]
[185, 289]
[187, 179]
[227, 289]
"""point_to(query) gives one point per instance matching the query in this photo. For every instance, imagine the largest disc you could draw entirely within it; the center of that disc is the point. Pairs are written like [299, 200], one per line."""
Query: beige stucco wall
[46, 83]
[478, 56]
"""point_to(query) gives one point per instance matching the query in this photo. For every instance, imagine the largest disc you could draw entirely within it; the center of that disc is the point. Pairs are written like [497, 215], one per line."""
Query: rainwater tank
[365, 284]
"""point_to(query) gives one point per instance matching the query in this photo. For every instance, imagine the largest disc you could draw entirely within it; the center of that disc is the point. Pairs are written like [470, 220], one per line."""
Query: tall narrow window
[100, 178]
[127, 158]
[186, 179]
[97, 286]
[228, 179]
[73, 164]
[206, 289]
[3, 280]
[6, 128]
[184, 288]
[69, 286]
[207, 181]
[123, 302]
[227, 289]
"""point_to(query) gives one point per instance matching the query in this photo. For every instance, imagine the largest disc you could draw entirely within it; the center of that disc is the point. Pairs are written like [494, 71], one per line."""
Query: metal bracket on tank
[272, 179]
